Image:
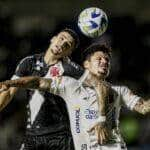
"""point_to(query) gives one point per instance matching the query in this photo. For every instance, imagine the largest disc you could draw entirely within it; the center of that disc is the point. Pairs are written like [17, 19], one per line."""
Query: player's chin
[102, 73]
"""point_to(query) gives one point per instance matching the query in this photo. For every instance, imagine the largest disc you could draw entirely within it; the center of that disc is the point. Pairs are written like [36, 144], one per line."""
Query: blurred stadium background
[26, 28]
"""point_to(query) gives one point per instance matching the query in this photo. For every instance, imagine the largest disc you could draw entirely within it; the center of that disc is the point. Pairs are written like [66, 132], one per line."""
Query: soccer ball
[93, 22]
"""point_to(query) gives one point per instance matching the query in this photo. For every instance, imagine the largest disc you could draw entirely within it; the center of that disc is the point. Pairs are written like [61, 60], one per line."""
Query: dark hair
[94, 48]
[73, 34]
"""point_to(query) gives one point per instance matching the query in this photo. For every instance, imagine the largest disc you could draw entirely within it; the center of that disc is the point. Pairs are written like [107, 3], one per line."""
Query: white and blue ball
[93, 22]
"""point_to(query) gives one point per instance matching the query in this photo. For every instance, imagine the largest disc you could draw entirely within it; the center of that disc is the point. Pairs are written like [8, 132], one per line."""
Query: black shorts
[57, 141]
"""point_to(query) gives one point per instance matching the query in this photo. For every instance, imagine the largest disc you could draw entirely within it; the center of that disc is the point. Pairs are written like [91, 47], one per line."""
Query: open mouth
[104, 67]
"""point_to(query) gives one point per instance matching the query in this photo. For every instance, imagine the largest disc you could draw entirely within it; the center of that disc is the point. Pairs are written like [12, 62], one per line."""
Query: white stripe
[14, 77]
[35, 104]
[22, 146]
[25, 59]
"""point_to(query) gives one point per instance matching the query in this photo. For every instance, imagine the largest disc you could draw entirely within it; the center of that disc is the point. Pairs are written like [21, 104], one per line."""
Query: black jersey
[47, 113]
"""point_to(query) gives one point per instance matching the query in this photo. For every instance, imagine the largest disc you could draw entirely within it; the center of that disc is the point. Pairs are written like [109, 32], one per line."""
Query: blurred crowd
[130, 41]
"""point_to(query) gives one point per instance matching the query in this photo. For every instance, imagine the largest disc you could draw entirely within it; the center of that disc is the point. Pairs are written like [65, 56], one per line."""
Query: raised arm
[142, 106]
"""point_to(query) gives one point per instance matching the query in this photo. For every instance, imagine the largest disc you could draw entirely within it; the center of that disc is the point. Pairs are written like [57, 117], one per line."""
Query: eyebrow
[106, 57]
[66, 38]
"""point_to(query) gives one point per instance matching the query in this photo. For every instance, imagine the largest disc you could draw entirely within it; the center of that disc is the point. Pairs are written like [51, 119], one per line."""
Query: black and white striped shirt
[47, 113]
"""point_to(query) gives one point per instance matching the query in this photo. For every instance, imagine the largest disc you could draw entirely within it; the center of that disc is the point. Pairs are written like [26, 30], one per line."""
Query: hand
[143, 106]
[102, 132]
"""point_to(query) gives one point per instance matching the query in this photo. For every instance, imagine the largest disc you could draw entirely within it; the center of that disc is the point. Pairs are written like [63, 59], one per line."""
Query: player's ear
[86, 64]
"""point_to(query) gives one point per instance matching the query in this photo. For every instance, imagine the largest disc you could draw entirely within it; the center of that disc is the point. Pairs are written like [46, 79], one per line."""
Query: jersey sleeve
[24, 67]
[128, 98]
[62, 86]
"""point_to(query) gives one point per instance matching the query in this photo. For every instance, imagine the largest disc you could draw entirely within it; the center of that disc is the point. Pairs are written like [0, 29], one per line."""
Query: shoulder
[72, 69]
[31, 58]
[63, 85]
[68, 83]
[69, 80]
[120, 89]
[26, 59]
[26, 65]
[71, 63]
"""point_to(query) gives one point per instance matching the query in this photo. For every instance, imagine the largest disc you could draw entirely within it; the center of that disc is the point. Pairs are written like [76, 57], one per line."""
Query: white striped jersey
[82, 105]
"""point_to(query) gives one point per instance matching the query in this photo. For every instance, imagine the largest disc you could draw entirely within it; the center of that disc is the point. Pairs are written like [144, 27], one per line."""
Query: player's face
[62, 44]
[98, 64]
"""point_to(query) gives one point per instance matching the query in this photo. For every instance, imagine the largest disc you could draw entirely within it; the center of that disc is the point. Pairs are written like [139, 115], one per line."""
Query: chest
[83, 108]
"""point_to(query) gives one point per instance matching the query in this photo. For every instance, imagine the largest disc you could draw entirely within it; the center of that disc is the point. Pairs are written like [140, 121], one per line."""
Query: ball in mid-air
[93, 22]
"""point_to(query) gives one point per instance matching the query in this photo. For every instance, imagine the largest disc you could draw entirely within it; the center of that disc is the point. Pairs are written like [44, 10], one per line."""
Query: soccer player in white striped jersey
[83, 97]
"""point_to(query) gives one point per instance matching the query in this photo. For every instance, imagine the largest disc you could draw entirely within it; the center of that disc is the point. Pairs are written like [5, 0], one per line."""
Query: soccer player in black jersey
[48, 125]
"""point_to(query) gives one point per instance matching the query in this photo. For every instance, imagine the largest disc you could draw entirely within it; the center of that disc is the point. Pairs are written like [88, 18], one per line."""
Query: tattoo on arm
[143, 106]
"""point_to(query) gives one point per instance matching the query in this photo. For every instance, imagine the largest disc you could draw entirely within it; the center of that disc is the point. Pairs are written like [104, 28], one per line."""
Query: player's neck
[92, 80]
[50, 58]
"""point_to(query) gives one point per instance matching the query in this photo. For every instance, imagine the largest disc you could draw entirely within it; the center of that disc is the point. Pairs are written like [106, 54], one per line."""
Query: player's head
[64, 43]
[96, 59]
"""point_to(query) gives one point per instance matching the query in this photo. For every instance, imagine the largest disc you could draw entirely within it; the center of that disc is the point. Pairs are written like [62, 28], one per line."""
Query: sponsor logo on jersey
[77, 119]
[84, 147]
[91, 114]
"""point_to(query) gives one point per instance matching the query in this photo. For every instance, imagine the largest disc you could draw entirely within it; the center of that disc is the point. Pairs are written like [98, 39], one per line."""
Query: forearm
[31, 82]
[23, 82]
[6, 97]
[8, 88]
[143, 106]
[102, 102]
[103, 91]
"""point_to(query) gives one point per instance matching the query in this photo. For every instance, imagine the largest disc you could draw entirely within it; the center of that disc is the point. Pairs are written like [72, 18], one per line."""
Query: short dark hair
[74, 35]
[88, 52]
